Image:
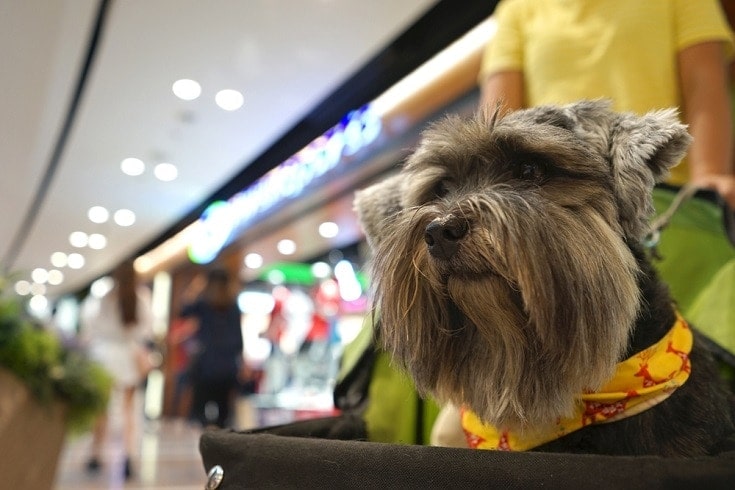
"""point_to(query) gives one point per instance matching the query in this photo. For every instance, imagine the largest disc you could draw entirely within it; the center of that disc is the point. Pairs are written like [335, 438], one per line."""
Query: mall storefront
[293, 241]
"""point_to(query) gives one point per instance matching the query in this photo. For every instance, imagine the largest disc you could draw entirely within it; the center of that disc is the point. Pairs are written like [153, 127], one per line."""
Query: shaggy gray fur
[502, 268]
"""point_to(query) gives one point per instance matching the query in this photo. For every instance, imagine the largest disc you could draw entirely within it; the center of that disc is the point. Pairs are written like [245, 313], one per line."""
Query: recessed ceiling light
[253, 261]
[124, 217]
[166, 172]
[23, 288]
[75, 261]
[39, 275]
[98, 214]
[229, 100]
[186, 89]
[328, 229]
[78, 239]
[55, 277]
[97, 241]
[58, 259]
[286, 247]
[132, 166]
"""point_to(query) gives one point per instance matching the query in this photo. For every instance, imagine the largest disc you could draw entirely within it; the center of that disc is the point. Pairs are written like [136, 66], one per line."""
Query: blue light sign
[216, 225]
[357, 130]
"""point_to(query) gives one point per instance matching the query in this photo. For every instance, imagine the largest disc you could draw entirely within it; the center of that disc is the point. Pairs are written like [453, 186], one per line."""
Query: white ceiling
[285, 56]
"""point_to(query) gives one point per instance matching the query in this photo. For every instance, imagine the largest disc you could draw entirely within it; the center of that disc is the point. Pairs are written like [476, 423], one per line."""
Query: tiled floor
[168, 453]
[168, 458]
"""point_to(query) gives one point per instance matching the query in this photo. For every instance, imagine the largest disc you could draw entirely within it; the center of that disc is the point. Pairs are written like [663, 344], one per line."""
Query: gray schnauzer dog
[510, 281]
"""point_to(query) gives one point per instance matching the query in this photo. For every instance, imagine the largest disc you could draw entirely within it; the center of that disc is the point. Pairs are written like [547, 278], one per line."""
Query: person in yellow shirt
[642, 55]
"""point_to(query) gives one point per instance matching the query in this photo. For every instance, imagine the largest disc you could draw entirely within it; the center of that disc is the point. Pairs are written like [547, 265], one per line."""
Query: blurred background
[189, 135]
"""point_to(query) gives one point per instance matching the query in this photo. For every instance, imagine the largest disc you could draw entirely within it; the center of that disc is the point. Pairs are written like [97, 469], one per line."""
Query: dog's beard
[521, 320]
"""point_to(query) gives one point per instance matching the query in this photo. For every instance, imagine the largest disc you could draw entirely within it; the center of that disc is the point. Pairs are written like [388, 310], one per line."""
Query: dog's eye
[441, 189]
[530, 171]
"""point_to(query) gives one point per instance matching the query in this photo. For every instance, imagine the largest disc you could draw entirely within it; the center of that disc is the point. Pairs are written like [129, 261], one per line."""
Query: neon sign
[357, 130]
[216, 224]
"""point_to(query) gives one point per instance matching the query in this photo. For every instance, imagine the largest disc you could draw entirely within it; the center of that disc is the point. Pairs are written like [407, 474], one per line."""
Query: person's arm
[503, 89]
[703, 74]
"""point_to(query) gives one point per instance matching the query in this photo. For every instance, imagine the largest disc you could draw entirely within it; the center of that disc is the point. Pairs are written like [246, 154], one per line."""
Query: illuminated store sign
[287, 181]
[216, 225]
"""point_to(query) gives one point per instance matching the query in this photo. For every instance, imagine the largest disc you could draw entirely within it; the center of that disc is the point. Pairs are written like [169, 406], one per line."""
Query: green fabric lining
[698, 264]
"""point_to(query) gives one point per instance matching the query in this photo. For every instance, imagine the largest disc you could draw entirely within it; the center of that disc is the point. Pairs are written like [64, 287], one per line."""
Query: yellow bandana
[639, 383]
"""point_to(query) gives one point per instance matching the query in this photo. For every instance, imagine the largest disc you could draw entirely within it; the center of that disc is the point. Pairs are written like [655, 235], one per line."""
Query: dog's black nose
[443, 236]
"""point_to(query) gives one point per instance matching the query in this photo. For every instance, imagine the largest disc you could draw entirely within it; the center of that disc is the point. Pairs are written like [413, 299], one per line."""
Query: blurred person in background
[277, 369]
[116, 331]
[642, 56]
[180, 344]
[217, 354]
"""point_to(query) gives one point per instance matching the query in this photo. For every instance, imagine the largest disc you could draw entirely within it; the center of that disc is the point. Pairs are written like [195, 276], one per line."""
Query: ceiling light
[39, 275]
[55, 277]
[98, 214]
[76, 261]
[229, 100]
[132, 166]
[37, 289]
[166, 172]
[286, 247]
[328, 229]
[186, 89]
[78, 239]
[124, 217]
[253, 261]
[97, 241]
[58, 259]
[23, 288]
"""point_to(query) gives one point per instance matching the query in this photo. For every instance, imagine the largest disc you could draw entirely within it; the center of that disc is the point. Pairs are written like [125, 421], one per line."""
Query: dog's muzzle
[443, 235]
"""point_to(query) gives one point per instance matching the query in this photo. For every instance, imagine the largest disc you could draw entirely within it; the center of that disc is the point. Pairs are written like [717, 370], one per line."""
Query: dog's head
[502, 266]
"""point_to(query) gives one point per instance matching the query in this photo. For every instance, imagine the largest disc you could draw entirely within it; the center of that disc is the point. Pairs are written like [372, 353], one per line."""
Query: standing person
[180, 344]
[218, 353]
[642, 55]
[116, 330]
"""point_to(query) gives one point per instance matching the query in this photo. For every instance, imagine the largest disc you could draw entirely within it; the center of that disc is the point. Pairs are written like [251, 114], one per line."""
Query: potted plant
[46, 391]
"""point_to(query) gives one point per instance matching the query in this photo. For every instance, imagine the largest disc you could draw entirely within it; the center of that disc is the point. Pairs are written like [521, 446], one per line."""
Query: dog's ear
[642, 150]
[375, 206]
